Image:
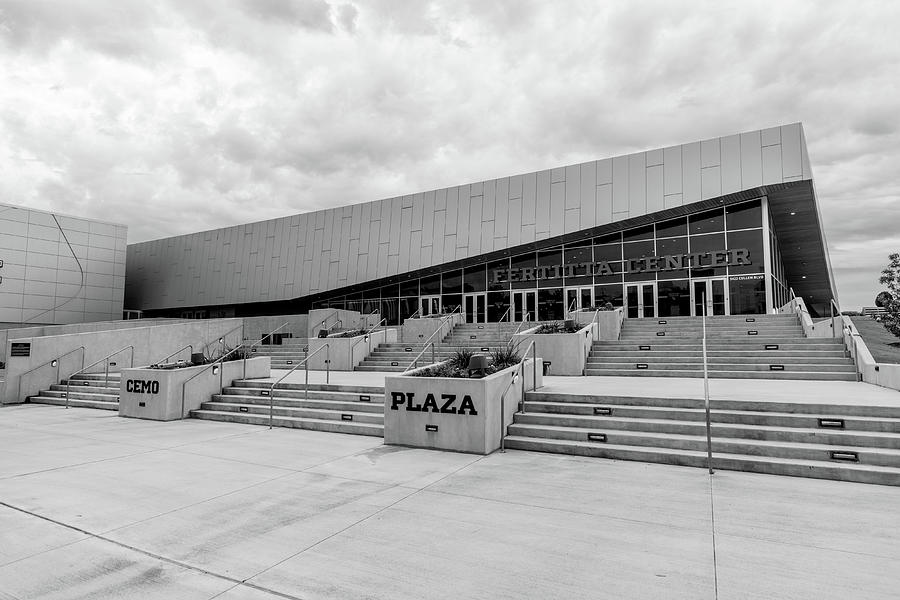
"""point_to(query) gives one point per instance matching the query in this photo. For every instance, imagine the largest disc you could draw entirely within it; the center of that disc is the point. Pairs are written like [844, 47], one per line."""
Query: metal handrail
[571, 304]
[49, 362]
[221, 338]
[525, 319]
[706, 392]
[325, 320]
[97, 362]
[425, 344]
[211, 365]
[163, 361]
[305, 362]
[367, 336]
[365, 319]
[500, 320]
[336, 323]
[413, 316]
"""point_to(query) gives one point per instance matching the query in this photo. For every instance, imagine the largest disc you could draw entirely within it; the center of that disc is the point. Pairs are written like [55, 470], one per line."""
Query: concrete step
[322, 387]
[805, 408]
[870, 439]
[325, 414]
[316, 403]
[97, 376]
[83, 394]
[296, 422]
[885, 457]
[719, 360]
[96, 389]
[726, 374]
[99, 403]
[788, 367]
[381, 368]
[742, 417]
[735, 462]
[312, 394]
[749, 341]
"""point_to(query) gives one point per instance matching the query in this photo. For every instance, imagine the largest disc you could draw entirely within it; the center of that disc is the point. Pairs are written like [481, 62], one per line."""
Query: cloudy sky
[174, 116]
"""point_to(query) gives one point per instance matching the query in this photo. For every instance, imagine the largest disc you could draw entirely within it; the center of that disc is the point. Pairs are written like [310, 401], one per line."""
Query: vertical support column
[767, 255]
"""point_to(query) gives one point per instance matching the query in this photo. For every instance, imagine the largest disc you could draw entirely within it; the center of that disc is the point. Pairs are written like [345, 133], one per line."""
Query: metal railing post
[706, 393]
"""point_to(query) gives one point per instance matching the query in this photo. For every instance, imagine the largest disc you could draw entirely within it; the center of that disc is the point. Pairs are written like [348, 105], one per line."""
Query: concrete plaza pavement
[97, 506]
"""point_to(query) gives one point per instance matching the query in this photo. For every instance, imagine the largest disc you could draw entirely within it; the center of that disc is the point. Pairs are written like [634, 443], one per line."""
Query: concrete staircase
[739, 347]
[335, 408]
[828, 441]
[396, 356]
[87, 390]
[284, 355]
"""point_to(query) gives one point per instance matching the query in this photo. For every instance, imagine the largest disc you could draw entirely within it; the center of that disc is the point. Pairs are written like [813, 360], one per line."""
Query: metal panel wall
[304, 254]
[61, 269]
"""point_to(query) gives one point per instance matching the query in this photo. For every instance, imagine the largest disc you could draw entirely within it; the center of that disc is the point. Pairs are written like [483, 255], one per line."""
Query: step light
[142, 404]
[365, 398]
[290, 362]
[643, 347]
[642, 366]
[485, 349]
[112, 364]
[602, 410]
[264, 392]
[481, 327]
[87, 383]
[750, 320]
[845, 456]
[596, 437]
[831, 423]
[252, 349]
[243, 409]
[346, 417]
[431, 428]
[407, 349]
[771, 346]
[395, 364]
[663, 322]
[473, 337]
[753, 332]
[660, 333]
[776, 367]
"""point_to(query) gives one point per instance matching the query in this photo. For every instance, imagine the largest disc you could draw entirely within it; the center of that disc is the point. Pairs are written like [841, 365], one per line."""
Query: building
[59, 269]
[728, 224]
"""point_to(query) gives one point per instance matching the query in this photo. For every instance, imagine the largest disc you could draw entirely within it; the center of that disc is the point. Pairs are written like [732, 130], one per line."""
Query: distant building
[731, 223]
[59, 269]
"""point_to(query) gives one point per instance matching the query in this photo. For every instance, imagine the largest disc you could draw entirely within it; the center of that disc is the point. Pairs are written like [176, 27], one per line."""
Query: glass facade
[711, 261]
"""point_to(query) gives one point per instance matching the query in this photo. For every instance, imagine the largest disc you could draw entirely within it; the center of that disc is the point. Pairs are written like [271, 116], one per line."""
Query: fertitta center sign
[648, 264]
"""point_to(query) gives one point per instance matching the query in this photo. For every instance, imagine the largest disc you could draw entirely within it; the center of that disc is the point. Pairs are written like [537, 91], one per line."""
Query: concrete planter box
[567, 352]
[446, 413]
[160, 390]
[609, 322]
[346, 352]
[418, 330]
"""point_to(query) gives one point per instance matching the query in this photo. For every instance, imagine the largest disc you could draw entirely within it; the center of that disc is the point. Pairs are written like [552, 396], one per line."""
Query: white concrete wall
[150, 345]
[324, 250]
[256, 327]
[567, 352]
[59, 269]
[346, 353]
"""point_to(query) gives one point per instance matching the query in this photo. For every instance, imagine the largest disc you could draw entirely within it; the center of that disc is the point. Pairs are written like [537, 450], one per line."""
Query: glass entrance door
[710, 296]
[475, 307]
[579, 298]
[524, 302]
[429, 305]
[640, 300]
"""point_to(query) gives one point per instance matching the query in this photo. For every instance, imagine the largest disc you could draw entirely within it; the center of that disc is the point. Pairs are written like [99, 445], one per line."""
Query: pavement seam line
[366, 518]
[153, 555]
[712, 515]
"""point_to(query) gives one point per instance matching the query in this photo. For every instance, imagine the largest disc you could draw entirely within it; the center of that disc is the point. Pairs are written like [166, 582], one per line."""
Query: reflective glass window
[707, 222]
[752, 241]
[451, 282]
[744, 215]
[672, 228]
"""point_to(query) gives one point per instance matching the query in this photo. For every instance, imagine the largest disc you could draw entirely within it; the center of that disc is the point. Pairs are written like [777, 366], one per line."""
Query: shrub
[890, 277]
[556, 327]
[351, 333]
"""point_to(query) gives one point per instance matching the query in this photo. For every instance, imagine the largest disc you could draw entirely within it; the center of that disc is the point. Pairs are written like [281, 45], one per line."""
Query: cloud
[175, 117]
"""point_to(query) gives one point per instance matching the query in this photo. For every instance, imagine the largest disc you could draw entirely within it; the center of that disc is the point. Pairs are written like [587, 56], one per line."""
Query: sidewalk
[94, 505]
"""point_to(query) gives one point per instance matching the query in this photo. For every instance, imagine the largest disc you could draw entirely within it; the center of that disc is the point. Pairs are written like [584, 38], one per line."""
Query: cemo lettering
[142, 386]
[648, 264]
[447, 405]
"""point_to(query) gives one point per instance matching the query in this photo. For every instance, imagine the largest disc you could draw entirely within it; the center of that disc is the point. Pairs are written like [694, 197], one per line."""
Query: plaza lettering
[142, 386]
[648, 264]
[447, 404]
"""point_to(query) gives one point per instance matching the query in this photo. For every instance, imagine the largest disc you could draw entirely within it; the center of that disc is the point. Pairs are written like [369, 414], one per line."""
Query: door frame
[641, 309]
[579, 290]
[524, 295]
[475, 312]
[709, 303]
[426, 301]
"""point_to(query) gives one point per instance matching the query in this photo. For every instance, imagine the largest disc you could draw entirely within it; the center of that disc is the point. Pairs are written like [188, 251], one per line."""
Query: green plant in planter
[352, 333]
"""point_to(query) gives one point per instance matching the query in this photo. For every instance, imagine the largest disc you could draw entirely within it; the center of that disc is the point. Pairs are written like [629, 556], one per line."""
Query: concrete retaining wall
[168, 395]
[256, 327]
[609, 322]
[150, 345]
[416, 331]
[567, 352]
[477, 430]
[350, 319]
[345, 353]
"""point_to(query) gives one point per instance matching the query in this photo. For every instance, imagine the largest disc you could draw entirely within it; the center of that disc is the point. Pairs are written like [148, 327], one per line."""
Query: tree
[890, 277]
[883, 299]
